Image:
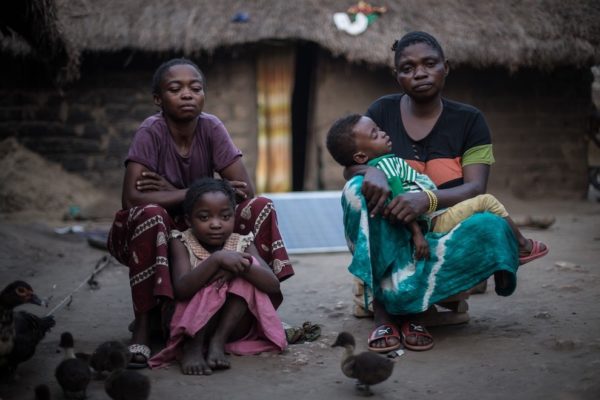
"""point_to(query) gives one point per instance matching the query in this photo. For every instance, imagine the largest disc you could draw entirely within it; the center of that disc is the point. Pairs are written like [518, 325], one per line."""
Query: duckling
[123, 384]
[42, 392]
[100, 359]
[367, 367]
[20, 332]
[73, 374]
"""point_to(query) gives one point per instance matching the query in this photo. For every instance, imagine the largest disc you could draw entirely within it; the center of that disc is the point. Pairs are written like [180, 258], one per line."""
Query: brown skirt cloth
[139, 239]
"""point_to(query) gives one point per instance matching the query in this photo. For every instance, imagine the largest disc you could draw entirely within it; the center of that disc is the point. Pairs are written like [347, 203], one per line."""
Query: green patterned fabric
[460, 259]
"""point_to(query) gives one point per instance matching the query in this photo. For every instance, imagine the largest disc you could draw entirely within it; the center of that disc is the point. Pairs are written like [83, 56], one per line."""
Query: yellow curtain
[275, 82]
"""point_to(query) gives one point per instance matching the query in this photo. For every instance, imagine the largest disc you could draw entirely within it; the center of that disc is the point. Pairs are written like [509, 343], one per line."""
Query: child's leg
[486, 202]
[526, 246]
[463, 210]
[529, 249]
[193, 361]
[234, 323]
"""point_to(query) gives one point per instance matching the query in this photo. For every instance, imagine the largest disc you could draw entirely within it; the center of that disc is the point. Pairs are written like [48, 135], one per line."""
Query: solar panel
[310, 222]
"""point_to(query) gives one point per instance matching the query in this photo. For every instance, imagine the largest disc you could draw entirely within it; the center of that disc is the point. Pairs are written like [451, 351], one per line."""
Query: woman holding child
[170, 151]
[450, 142]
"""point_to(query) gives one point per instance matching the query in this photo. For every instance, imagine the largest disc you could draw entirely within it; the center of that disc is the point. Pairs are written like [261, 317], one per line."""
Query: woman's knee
[261, 202]
[150, 211]
[251, 211]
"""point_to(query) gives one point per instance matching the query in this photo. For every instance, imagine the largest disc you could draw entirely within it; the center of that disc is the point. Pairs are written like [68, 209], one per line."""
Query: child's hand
[221, 277]
[234, 261]
[421, 247]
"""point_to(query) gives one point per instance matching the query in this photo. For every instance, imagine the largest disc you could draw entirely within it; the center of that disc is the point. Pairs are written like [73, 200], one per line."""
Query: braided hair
[206, 185]
[412, 38]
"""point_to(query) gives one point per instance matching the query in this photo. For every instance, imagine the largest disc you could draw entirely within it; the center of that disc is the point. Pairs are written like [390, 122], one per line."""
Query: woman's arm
[475, 178]
[407, 207]
[261, 276]
[237, 175]
[141, 186]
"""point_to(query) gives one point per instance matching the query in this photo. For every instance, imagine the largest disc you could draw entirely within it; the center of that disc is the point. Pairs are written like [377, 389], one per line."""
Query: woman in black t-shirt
[447, 140]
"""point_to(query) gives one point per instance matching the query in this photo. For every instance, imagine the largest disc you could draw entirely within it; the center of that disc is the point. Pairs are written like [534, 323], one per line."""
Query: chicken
[73, 374]
[100, 359]
[123, 384]
[20, 332]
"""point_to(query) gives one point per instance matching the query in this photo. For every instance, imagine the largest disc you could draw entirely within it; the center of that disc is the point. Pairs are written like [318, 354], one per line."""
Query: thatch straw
[529, 33]
[32, 28]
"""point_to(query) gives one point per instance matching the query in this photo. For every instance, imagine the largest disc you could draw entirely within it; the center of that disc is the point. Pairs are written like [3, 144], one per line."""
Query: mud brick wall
[88, 127]
[538, 119]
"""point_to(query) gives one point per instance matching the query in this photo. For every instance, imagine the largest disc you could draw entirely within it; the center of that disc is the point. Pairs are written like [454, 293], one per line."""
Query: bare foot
[216, 357]
[193, 362]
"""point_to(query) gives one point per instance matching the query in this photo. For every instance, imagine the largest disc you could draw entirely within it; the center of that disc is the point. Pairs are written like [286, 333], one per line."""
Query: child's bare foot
[193, 362]
[216, 357]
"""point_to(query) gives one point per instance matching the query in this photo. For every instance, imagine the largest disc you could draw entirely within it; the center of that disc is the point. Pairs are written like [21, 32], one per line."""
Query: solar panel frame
[310, 222]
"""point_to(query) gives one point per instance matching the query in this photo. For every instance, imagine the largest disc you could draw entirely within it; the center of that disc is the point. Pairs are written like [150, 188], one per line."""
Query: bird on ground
[123, 384]
[100, 359]
[20, 332]
[42, 392]
[367, 367]
[73, 374]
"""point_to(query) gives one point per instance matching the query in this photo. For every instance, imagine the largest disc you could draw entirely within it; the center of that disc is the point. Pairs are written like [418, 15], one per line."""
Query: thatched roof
[32, 28]
[514, 34]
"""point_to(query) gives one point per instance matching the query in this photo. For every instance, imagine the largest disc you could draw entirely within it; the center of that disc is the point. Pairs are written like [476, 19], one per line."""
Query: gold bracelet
[433, 201]
[427, 192]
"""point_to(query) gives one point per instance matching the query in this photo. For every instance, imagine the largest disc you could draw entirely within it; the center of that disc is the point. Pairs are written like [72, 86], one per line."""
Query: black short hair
[206, 185]
[164, 67]
[340, 139]
[412, 38]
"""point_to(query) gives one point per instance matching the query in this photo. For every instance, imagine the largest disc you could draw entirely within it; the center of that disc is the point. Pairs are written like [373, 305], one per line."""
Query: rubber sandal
[142, 350]
[410, 329]
[384, 331]
[536, 252]
[308, 332]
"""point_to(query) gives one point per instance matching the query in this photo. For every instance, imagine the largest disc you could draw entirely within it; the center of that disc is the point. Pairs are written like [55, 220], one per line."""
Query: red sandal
[538, 249]
[385, 331]
[410, 329]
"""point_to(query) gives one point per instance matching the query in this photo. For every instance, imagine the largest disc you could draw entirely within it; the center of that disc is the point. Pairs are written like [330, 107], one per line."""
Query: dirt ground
[541, 342]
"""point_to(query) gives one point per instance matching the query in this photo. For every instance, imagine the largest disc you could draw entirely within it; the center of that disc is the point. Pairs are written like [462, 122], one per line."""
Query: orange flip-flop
[385, 331]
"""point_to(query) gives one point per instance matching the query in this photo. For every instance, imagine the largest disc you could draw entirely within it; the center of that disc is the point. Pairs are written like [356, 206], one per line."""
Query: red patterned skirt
[139, 239]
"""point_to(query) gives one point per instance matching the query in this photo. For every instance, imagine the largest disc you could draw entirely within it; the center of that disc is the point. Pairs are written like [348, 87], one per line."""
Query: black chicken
[100, 359]
[20, 332]
[42, 392]
[123, 384]
[73, 374]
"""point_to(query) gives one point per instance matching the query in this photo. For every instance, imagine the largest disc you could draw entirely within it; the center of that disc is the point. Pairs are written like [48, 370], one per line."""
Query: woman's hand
[233, 261]
[240, 188]
[406, 207]
[153, 182]
[376, 190]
